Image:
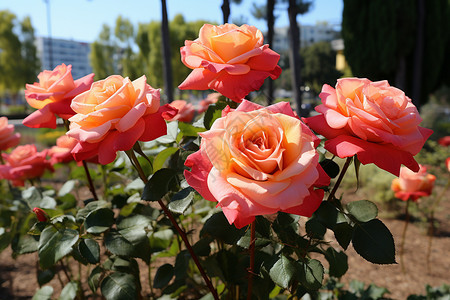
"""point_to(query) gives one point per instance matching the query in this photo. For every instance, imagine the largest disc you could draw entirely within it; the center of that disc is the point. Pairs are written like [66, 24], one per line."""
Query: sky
[82, 20]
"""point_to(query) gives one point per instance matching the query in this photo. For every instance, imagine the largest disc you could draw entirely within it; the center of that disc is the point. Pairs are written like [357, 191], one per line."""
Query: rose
[23, 163]
[113, 115]
[258, 161]
[41, 215]
[447, 163]
[373, 120]
[8, 138]
[185, 113]
[412, 185]
[229, 59]
[52, 96]
[444, 141]
[61, 153]
[204, 104]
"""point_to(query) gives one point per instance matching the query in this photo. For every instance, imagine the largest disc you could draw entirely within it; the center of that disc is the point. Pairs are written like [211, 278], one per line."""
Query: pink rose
[447, 163]
[444, 141]
[185, 113]
[52, 96]
[373, 120]
[24, 162]
[113, 115]
[8, 138]
[412, 185]
[229, 59]
[210, 99]
[61, 153]
[258, 161]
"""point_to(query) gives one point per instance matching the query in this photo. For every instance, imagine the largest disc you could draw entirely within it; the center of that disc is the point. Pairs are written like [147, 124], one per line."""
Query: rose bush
[257, 161]
[61, 153]
[185, 113]
[24, 163]
[229, 59]
[113, 115]
[8, 138]
[52, 96]
[373, 120]
[411, 185]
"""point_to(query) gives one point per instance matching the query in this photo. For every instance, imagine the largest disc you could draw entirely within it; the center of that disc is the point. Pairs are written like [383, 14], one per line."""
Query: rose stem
[341, 176]
[252, 260]
[86, 169]
[404, 236]
[138, 167]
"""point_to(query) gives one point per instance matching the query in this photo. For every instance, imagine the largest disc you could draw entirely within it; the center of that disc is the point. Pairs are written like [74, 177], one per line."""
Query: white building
[64, 51]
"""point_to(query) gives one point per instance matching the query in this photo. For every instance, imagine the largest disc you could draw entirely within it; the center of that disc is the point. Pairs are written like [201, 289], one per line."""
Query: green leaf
[217, 227]
[136, 184]
[55, 244]
[22, 244]
[94, 278]
[343, 232]
[69, 292]
[163, 276]
[244, 241]
[327, 214]
[214, 112]
[44, 276]
[311, 274]
[202, 247]
[134, 228]
[374, 242]
[5, 240]
[189, 130]
[119, 286]
[330, 167]
[283, 271]
[159, 184]
[117, 244]
[162, 156]
[99, 220]
[160, 240]
[357, 165]
[315, 229]
[363, 210]
[90, 207]
[181, 200]
[67, 187]
[338, 262]
[44, 293]
[90, 250]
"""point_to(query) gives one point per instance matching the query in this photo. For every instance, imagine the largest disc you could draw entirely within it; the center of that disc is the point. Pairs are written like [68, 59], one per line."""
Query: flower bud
[41, 215]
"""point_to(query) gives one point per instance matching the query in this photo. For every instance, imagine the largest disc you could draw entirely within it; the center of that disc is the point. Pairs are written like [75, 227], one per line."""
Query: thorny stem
[338, 182]
[136, 164]
[402, 245]
[91, 184]
[252, 260]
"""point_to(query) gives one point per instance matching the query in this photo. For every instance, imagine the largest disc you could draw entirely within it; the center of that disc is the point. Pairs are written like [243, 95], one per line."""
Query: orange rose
[411, 185]
[52, 96]
[113, 115]
[8, 138]
[61, 153]
[24, 162]
[373, 120]
[185, 113]
[229, 59]
[204, 104]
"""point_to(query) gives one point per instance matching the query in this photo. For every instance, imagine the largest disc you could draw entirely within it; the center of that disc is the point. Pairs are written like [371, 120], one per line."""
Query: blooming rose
[113, 115]
[185, 113]
[411, 185]
[444, 141]
[204, 104]
[229, 59]
[373, 120]
[52, 96]
[258, 161]
[61, 153]
[23, 163]
[8, 138]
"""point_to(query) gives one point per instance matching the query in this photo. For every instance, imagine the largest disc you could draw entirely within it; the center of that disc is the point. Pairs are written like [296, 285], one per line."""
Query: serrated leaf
[327, 214]
[343, 232]
[163, 276]
[311, 274]
[69, 292]
[181, 200]
[55, 244]
[159, 184]
[99, 220]
[338, 262]
[67, 187]
[119, 286]
[117, 244]
[374, 242]
[315, 229]
[363, 210]
[44, 293]
[283, 271]
[90, 250]
[162, 156]
[94, 278]
[90, 207]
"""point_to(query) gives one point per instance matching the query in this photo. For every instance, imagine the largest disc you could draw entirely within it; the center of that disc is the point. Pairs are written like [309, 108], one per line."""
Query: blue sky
[82, 20]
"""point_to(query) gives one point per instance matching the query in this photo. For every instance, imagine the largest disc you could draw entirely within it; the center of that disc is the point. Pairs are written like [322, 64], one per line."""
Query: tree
[30, 63]
[318, 66]
[403, 41]
[226, 10]
[102, 55]
[167, 70]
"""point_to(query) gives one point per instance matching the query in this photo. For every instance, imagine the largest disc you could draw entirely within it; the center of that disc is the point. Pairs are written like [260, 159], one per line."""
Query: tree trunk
[166, 53]
[418, 55]
[270, 34]
[225, 10]
[294, 55]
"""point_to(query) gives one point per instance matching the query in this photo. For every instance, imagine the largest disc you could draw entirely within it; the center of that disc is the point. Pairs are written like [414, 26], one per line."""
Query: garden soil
[409, 276]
